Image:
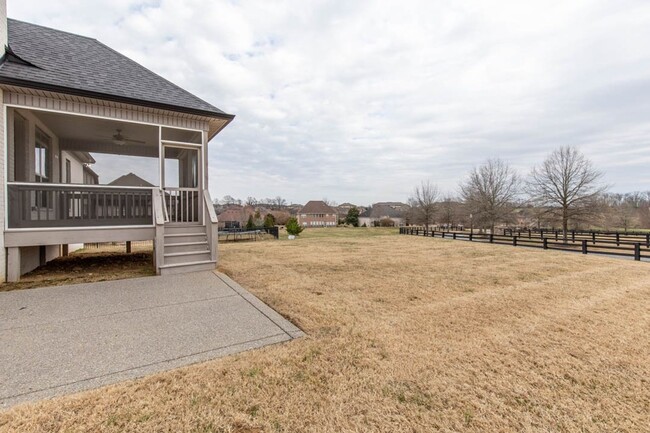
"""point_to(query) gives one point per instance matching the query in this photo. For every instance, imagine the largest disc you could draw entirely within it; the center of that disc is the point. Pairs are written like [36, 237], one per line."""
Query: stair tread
[176, 235]
[187, 253]
[185, 244]
[200, 262]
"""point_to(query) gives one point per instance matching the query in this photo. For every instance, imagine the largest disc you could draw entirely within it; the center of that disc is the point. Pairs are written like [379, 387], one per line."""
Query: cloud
[359, 101]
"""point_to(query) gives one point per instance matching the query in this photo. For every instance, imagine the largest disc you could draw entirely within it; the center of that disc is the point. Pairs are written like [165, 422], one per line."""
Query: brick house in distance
[317, 213]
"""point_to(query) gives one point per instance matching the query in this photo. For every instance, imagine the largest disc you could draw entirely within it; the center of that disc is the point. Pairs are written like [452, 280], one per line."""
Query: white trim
[81, 185]
[71, 113]
[180, 143]
[49, 229]
[6, 163]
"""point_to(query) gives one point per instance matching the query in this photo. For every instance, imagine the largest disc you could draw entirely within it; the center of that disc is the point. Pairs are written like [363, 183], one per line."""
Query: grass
[406, 334]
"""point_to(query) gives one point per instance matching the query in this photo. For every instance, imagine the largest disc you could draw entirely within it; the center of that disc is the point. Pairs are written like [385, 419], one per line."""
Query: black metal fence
[636, 246]
[239, 234]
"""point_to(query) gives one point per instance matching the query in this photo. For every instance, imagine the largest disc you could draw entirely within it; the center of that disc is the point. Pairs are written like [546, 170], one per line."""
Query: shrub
[293, 228]
[387, 222]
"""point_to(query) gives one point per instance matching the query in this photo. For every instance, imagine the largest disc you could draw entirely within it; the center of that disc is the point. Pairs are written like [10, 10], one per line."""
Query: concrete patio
[59, 340]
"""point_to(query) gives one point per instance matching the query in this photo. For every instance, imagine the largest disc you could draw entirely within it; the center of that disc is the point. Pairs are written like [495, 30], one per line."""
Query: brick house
[317, 213]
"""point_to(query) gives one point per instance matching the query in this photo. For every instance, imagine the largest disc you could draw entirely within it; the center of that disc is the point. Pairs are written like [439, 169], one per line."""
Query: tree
[566, 183]
[269, 220]
[490, 192]
[448, 210]
[250, 224]
[424, 203]
[251, 201]
[352, 217]
[293, 228]
[278, 202]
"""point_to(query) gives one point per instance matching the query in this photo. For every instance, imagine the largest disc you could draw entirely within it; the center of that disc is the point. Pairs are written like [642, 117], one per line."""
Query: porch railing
[40, 205]
[182, 204]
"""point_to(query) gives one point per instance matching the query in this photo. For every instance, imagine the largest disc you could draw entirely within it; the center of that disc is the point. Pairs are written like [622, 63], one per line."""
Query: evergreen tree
[269, 220]
[352, 217]
[250, 225]
[293, 228]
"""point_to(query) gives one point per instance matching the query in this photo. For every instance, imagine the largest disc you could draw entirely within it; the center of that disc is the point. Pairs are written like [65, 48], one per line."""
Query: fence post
[647, 240]
[637, 251]
[618, 239]
[454, 236]
[541, 233]
[491, 237]
[584, 246]
[471, 236]
[573, 235]
[555, 234]
[593, 238]
[514, 241]
[443, 234]
[545, 243]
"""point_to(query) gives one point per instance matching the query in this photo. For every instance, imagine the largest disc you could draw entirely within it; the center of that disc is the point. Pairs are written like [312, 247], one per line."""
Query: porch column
[13, 264]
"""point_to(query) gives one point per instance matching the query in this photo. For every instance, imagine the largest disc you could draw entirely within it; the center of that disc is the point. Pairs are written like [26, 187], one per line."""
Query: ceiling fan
[121, 140]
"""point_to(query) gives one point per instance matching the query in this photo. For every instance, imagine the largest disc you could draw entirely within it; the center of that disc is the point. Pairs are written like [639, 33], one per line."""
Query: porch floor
[59, 340]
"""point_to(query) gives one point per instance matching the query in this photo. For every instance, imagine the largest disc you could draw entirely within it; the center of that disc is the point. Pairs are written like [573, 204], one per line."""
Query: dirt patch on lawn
[86, 267]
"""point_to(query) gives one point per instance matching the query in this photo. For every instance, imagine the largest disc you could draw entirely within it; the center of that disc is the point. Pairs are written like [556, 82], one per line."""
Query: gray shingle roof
[64, 62]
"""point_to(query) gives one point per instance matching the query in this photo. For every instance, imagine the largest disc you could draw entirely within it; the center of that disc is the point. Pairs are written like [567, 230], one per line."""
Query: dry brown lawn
[406, 334]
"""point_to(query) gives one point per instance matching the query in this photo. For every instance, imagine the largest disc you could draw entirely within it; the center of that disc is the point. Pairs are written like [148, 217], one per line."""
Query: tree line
[564, 191]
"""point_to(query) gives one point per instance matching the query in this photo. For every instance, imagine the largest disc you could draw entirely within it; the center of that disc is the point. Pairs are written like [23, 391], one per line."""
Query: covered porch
[80, 178]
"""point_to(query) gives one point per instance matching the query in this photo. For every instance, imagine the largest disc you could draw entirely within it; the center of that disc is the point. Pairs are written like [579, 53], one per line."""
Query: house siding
[318, 220]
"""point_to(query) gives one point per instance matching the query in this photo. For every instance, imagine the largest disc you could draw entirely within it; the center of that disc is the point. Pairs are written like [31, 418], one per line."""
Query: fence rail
[636, 247]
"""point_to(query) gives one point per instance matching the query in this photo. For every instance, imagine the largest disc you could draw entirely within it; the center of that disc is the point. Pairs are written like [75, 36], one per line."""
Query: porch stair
[186, 249]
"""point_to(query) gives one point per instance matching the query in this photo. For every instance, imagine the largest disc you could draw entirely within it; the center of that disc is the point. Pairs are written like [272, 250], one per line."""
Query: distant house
[317, 213]
[344, 208]
[383, 211]
[235, 216]
[130, 180]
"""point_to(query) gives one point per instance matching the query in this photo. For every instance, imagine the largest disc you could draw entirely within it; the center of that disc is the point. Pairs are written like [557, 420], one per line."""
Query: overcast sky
[360, 100]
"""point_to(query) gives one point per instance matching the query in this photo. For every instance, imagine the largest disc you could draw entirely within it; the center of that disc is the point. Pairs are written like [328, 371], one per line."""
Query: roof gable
[49, 59]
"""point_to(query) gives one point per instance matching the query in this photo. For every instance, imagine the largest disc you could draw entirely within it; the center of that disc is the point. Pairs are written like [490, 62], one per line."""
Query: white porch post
[3, 187]
[13, 264]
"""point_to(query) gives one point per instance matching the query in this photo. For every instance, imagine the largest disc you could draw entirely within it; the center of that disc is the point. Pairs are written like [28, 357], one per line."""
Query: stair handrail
[208, 203]
[159, 210]
[213, 229]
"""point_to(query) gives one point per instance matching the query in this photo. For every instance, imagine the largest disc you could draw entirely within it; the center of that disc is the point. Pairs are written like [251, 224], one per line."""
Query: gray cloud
[359, 101]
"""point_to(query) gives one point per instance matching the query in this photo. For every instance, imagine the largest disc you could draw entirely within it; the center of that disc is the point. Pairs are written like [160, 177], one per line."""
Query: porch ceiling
[89, 134]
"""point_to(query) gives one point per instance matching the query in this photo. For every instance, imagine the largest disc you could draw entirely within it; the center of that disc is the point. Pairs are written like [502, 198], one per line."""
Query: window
[42, 164]
[68, 169]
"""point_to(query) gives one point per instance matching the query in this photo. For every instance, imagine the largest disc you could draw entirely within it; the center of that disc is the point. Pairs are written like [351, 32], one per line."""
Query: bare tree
[424, 203]
[448, 210]
[490, 192]
[251, 201]
[330, 203]
[566, 183]
[279, 203]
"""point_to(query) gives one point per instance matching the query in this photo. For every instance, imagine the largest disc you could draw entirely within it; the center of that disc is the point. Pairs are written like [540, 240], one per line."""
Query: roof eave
[114, 98]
